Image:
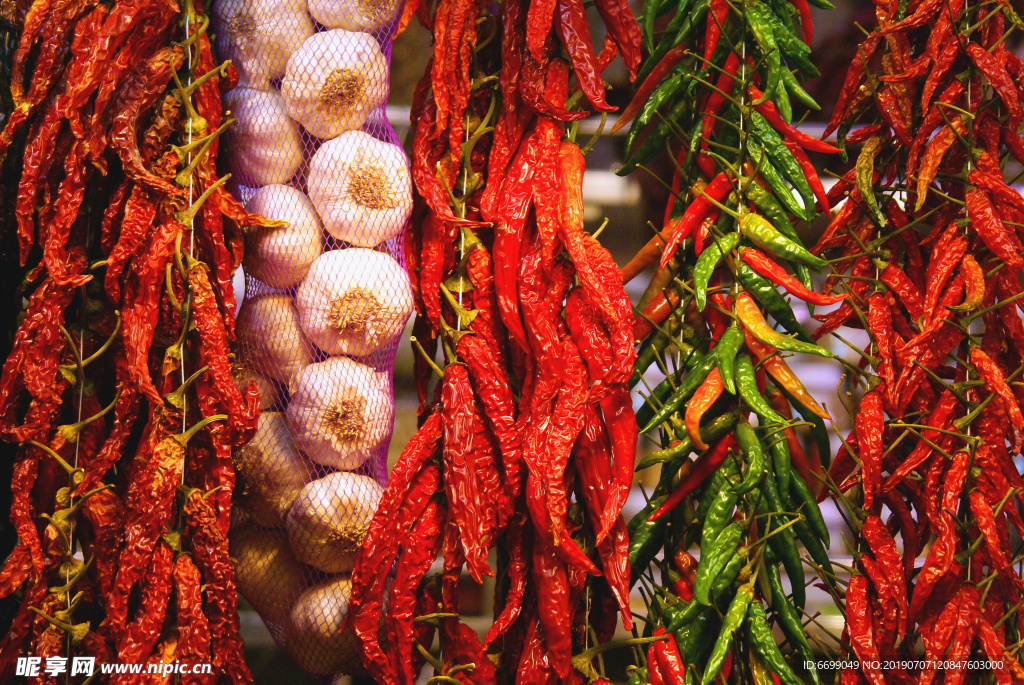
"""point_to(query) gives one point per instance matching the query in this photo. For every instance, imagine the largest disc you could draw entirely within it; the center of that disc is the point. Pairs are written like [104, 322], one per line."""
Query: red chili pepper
[623, 29]
[763, 265]
[574, 30]
[702, 205]
[656, 311]
[858, 623]
[994, 70]
[993, 233]
[870, 428]
[707, 394]
[900, 284]
[996, 381]
[809, 171]
[716, 100]
[883, 546]
[705, 465]
[718, 13]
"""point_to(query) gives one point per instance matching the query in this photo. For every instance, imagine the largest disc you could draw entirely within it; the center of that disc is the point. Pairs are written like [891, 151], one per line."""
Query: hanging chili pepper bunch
[528, 440]
[716, 98]
[930, 244]
[119, 388]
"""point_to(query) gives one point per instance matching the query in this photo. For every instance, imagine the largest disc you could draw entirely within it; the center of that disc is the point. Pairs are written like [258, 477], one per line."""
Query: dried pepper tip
[176, 398]
[71, 431]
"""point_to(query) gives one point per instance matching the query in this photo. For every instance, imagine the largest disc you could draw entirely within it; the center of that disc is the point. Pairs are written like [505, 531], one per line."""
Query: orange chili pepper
[777, 367]
[706, 395]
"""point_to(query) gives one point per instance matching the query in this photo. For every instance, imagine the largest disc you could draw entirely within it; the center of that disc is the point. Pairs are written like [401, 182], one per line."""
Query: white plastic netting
[326, 300]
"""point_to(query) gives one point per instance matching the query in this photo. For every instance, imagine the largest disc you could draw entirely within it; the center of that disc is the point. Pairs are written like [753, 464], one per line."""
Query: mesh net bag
[326, 299]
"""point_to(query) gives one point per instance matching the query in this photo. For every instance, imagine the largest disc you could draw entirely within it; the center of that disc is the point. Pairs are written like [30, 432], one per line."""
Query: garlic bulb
[361, 187]
[316, 640]
[340, 412]
[354, 15]
[329, 519]
[268, 575]
[264, 143]
[270, 393]
[269, 337]
[259, 36]
[354, 301]
[334, 80]
[271, 472]
[280, 257]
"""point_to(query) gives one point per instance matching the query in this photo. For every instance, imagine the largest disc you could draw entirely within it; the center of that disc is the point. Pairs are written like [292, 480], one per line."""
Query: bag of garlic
[326, 300]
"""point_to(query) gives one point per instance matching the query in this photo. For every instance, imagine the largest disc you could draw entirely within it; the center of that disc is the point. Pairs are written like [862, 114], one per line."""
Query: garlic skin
[259, 36]
[264, 142]
[280, 257]
[354, 15]
[340, 412]
[316, 641]
[334, 80]
[329, 518]
[354, 301]
[268, 575]
[361, 187]
[270, 471]
[270, 340]
[270, 392]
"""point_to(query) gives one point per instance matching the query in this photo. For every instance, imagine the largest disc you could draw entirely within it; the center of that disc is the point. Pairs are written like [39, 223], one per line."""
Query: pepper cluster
[121, 508]
[528, 440]
[716, 98]
[929, 241]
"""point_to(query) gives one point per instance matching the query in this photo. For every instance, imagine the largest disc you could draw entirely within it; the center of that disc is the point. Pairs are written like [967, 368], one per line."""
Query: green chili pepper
[652, 10]
[638, 676]
[645, 537]
[781, 12]
[728, 345]
[746, 439]
[818, 430]
[654, 143]
[782, 543]
[806, 505]
[746, 381]
[691, 638]
[796, 90]
[781, 157]
[728, 574]
[687, 22]
[733, 619]
[709, 432]
[783, 104]
[793, 49]
[776, 182]
[658, 101]
[691, 381]
[824, 4]
[781, 462]
[813, 545]
[715, 553]
[708, 262]
[761, 232]
[758, 20]
[773, 211]
[765, 292]
[764, 645]
[655, 346]
[785, 614]
[681, 614]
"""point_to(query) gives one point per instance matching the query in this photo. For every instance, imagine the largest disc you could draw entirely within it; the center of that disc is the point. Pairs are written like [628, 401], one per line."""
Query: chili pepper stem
[71, 431]
[419, 348]
[183, 438]
[184, 176]
[70, 470]
[186, 217]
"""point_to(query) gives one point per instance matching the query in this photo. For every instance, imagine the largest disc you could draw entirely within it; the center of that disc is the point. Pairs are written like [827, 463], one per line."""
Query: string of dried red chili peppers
[528, 440]
[716, 99]
[119, 387]
[930, 238]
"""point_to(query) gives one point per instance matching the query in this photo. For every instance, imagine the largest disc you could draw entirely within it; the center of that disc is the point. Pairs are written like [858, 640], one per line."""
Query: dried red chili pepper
[144, 631]
[996, 381]
[858, 623]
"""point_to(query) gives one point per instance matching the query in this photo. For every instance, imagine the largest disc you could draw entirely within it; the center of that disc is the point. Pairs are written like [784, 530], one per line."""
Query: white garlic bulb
[268, 575]
[329, 518]
[271, 472]
[354, 15]
[354, 301]
[259, 36]
[361, 187]
[280, 257]
[316, 641]
[270, 340]
[334, 81]
[264, 142]
[340, 412]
